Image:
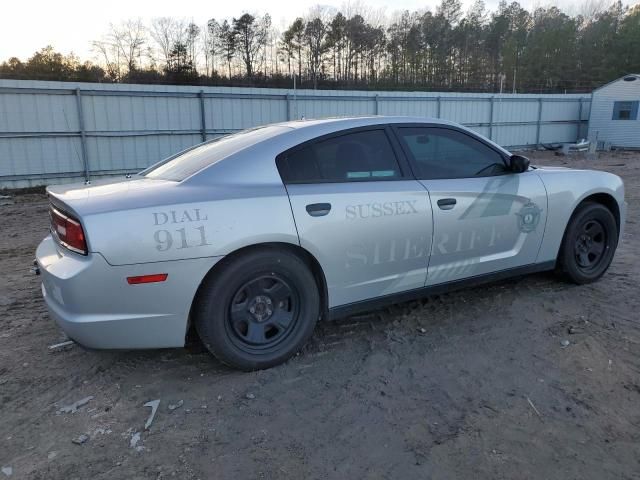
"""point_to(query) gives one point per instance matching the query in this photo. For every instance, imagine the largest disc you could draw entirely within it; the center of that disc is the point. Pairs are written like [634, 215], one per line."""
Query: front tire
[258, 309]
[589, 243]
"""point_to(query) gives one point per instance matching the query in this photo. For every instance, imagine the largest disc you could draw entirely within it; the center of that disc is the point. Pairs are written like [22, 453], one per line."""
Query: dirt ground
[472, 384]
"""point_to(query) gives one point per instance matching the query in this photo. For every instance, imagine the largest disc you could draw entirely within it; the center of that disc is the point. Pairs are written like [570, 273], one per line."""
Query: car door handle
[446, 203]
[318, 209]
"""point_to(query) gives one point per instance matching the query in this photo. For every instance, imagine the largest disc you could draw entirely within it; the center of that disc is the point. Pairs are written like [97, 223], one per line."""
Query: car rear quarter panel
[566, 189]
[210, 223]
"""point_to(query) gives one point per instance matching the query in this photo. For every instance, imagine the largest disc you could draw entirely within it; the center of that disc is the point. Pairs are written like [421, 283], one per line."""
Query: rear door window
[352, 157]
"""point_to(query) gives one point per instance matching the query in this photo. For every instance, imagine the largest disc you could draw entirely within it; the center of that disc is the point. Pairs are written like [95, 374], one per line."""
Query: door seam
[433, 230]
[295, 224]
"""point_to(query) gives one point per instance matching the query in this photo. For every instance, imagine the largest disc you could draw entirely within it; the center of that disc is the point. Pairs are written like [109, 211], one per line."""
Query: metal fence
[56, 132]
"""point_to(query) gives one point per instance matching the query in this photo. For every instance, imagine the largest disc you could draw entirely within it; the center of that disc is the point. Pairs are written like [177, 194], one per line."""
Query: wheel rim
[590, 245]
[263, 312]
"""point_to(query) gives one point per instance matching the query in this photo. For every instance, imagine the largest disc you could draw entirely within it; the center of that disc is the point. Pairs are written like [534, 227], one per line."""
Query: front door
[486, 218]
[360, 214]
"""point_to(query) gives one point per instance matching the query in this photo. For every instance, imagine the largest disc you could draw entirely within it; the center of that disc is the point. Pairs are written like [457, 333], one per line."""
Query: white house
[614, 112]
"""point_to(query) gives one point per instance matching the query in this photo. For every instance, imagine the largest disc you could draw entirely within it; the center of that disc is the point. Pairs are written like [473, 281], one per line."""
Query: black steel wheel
[257, 309]
[589, 243]
[263, 312]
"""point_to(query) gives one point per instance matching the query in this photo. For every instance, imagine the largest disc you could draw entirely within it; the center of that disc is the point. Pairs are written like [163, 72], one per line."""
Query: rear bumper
[118, 331]
[93, 303]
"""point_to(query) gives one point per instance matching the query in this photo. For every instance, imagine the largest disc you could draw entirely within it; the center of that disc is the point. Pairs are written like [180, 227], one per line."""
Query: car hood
[544, 167]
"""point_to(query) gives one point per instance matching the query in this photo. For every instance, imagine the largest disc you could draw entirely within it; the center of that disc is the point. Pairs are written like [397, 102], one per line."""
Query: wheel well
[603, 199]
[303, 254]
[606, 200]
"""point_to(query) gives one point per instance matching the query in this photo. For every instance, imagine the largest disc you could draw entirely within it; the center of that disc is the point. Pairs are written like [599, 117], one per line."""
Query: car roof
[298, 131]
[353, 122]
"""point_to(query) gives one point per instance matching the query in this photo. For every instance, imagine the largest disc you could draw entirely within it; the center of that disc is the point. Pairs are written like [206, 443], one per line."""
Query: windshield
[195, 159]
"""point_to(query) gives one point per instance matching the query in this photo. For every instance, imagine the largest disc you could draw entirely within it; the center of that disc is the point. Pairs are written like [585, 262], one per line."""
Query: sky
[71, 25]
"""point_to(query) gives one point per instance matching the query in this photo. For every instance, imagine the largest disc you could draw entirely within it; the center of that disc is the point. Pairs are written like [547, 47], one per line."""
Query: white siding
[620, 133]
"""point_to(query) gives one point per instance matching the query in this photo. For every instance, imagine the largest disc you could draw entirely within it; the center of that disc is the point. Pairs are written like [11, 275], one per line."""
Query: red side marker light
[156, 277]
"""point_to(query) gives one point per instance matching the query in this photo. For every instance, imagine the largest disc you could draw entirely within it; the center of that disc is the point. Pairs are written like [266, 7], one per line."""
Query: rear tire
[589, 243]
[258, 310]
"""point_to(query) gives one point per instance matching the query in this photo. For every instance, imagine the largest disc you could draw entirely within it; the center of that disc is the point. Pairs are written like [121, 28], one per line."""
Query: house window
[625, 110]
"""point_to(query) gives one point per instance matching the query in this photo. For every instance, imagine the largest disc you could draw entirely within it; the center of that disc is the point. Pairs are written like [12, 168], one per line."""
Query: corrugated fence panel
[128, 113]
[414, 108]
[560, 133]
[466, 111]
[316, 108]
[515, 134]
[124, 132]
[481, 130]
[560, 111]
[134, 152]
[49, 155]
[514, 111]
[38, 113]
[239, 113]
[52, 132]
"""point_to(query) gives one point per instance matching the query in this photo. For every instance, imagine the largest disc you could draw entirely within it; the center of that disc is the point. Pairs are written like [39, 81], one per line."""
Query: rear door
[360, 212]
[486, 218]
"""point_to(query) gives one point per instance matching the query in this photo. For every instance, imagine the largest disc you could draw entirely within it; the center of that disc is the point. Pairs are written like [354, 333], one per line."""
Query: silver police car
[256, 236]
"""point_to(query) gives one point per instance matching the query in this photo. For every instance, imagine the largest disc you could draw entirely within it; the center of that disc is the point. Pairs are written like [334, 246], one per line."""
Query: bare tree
[266, 41]
[110, 56]
[132, 36]
[166, 32]
[211, 45]
[122, 47]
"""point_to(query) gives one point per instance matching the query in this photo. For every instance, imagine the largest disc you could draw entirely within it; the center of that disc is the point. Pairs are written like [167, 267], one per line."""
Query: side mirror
[518, 163]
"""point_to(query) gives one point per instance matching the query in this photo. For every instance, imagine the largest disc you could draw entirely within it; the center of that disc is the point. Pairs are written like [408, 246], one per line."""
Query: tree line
[508, 50]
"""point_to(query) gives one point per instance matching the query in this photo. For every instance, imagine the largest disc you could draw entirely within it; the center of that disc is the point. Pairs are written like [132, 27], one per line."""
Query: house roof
[630, 75]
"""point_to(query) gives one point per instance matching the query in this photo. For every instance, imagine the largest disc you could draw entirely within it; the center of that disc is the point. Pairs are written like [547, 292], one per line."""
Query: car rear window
[192, 161]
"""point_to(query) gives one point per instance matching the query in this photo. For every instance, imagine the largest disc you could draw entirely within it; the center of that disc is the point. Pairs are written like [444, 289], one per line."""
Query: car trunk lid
[107, 195]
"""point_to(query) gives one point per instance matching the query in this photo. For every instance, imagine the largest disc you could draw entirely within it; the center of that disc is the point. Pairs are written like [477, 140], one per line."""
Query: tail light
[68, 231]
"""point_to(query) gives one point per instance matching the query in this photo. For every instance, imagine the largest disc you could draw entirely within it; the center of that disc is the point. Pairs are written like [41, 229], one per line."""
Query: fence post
[491, 117]
[439, 106]
[377, 104]
[83, 137]
[203, 119]
[288, 107]
[579, 120]
[539, 122]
